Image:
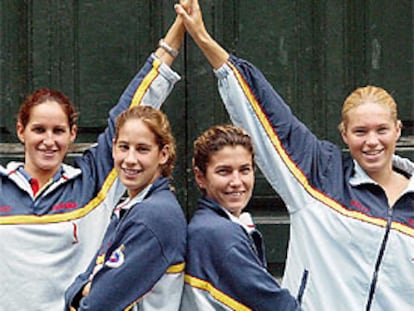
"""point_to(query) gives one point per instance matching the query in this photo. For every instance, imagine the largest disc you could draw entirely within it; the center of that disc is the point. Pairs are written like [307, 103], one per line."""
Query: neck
[42, 176]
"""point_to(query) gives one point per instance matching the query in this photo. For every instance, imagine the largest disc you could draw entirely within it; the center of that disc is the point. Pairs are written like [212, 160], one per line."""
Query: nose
[372, 139]
[48, 139]
[235, 180]
[130, 157]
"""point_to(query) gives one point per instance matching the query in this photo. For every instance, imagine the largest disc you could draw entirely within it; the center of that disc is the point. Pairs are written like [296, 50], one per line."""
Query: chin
[236, 210]
[373, 169]
[130, 185]
[49, 167]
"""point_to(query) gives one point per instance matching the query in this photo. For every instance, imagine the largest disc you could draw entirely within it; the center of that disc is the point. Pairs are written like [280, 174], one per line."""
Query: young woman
[140, 265]
[53, 215]
[352, 229]
[226, 264]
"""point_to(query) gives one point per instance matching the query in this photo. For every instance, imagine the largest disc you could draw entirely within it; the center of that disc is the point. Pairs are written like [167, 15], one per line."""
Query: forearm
[214, 52]
[174, 38]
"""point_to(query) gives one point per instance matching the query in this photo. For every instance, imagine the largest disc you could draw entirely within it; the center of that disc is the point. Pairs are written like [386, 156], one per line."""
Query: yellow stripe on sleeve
[217, 294]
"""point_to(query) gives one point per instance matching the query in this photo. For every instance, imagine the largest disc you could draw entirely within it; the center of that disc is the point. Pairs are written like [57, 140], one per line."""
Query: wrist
[167, 48]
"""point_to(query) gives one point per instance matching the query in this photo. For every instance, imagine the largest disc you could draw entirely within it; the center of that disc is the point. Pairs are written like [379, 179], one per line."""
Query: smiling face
[229, 178]
[46, 137]
[137, 156]
[371, 134]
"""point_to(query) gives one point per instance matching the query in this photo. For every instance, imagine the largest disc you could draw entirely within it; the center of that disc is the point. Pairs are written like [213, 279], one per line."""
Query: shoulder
[161, 203]
[70, 171]
[209, 228]
[404, 164]
[158, 207]
[161, 214]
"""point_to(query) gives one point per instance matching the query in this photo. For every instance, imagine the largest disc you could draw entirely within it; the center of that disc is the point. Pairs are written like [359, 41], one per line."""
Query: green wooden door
[313, 52]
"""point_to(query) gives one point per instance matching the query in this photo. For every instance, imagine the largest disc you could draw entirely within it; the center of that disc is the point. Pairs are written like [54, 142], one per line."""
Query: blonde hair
[366, 94]
[158, 124]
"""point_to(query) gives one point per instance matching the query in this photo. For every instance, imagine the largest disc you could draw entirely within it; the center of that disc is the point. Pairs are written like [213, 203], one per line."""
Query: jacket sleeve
[250, 284]
[73, 293]
[288, 153]
[151, 86]
[132, 267]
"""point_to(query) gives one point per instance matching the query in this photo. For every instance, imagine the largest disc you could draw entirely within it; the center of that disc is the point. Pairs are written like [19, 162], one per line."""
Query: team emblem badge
[117, 258]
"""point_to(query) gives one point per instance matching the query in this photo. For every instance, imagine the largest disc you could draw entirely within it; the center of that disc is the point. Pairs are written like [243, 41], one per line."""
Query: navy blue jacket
[141, 259]
[225, 267]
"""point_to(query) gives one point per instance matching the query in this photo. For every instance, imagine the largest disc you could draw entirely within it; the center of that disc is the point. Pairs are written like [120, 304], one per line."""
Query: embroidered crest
[117, 258]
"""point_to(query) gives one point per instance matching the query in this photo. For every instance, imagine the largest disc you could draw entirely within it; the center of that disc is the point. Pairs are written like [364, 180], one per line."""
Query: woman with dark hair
[226, 262]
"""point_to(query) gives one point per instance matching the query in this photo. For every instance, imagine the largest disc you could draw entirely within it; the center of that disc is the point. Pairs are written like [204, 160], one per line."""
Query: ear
[344, 136]
[73, 132]
[164, 154]
[199, 177]
[20, 132]
[399, 129]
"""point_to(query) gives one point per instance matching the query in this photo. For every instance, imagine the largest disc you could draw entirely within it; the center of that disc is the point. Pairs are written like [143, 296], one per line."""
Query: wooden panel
[91, 53]
[13, 64]
[389, 53]
[51, 45]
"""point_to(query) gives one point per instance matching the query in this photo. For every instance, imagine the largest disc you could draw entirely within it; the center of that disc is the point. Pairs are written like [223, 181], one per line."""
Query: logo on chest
[358, 206]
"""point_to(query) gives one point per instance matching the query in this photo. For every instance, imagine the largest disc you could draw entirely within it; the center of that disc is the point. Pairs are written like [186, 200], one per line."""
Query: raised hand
[190, 12]
[191, 15]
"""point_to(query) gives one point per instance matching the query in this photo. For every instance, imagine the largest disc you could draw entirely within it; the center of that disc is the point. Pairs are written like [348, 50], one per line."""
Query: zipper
[302, 287]
[379, 261]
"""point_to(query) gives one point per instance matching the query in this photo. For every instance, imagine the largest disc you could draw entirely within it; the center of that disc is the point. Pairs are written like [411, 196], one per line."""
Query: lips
[48, 153]
[372, 154]
[130, 173]
[235, 194]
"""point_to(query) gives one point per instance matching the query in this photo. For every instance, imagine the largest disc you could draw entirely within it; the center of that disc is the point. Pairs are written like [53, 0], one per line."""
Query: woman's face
[46, 138]
[371, 135]
[137, 156]
[229, 178]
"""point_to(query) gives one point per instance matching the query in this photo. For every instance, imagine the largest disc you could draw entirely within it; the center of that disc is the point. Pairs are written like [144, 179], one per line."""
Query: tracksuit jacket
[356, 251]
[226, 266]
[49, 239]
[140, 265]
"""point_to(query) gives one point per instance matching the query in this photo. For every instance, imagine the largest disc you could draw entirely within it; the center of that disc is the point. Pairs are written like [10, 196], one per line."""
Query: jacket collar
[66, 170]
[360, 177]
[245, 220]
[161, 183]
